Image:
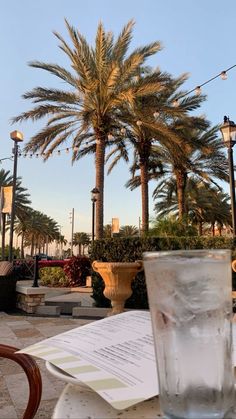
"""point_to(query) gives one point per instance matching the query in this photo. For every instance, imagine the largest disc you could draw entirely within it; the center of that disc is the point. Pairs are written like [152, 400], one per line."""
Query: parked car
[43, 256]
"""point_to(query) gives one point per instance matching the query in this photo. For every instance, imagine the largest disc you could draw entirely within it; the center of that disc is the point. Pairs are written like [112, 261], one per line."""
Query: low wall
[29, 298]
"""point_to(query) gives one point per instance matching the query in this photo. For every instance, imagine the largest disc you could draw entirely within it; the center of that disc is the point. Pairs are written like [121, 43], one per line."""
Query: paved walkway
[21, 331]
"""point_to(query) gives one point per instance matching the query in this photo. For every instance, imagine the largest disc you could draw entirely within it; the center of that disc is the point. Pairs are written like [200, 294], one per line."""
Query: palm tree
[22, 201]
[103, 80]
[40, 230]
[107, 233]
[61, 240]
[81, 240]
[171, 226]
[149, 122]
[205, 204]
[129, 231]
[204, 158]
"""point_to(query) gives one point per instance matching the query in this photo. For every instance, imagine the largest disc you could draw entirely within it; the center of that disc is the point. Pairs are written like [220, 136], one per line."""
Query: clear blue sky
[198, 37]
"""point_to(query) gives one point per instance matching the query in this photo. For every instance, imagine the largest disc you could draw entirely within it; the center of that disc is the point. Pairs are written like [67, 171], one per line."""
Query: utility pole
[72, 230]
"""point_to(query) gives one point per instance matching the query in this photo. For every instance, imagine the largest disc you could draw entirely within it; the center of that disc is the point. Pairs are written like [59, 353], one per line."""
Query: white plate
[63, 375]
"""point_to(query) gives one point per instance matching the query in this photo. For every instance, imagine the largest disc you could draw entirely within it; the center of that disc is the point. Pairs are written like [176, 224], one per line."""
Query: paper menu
[114, 356]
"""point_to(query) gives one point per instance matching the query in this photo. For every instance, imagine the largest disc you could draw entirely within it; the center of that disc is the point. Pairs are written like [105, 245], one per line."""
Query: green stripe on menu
[64, 359]
[32, 349]
[46, 352]
[123, 404]
[105, 384]
[81, 369]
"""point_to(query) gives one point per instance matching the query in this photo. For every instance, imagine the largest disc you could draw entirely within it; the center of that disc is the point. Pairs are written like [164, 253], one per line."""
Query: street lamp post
[94, 197]
[16, 136]
[228, 130]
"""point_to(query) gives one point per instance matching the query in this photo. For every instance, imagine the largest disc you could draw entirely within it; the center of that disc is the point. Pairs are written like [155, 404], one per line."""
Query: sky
[198, 37]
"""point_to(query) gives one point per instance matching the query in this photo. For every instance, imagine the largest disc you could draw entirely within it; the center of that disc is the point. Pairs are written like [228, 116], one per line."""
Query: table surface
[76, 402]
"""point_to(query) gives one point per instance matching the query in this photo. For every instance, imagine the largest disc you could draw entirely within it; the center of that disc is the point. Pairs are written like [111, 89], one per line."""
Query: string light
[223, 75]
[175, 103]
[198, 90]
[6, 158]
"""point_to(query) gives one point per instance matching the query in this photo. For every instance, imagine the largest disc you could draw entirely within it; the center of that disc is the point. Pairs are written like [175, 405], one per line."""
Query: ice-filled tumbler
[190, 301]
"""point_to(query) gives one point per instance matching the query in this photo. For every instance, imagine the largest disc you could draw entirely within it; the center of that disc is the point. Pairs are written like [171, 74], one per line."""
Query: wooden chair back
[32, 372]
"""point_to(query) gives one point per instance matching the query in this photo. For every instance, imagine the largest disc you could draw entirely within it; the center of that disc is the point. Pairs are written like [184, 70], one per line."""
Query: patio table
[77, 401]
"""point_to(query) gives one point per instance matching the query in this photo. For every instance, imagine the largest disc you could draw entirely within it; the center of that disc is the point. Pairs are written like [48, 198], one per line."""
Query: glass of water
[190, 301]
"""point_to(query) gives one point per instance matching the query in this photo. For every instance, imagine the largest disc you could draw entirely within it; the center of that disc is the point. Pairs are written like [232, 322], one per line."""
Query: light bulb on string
[67, 150]
[175, 103]
[156, 114]
[198, 91]
[76, 148]
[139, 123]
[110, 137]
[223, 75]
[123, 131]
[58, 152]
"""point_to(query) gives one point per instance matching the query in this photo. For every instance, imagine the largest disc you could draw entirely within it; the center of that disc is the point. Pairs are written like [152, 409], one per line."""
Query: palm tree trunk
[181, 179]
[200, 228]
[99, 162]
[22, 246]
[3, 234]
[144, 194]
[213, 229]
[32, 246]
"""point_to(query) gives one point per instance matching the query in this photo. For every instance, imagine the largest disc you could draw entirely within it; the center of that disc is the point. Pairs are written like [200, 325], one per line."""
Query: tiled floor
[21, 331]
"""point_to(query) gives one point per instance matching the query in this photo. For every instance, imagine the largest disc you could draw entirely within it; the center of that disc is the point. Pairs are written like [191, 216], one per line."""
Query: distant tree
[22, 202]
[81, 240]
[107, 231]
[205, 205]
[129, 231]
[170, 226]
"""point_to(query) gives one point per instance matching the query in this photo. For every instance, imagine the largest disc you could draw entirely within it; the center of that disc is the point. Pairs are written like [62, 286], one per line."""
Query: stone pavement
[21, 331]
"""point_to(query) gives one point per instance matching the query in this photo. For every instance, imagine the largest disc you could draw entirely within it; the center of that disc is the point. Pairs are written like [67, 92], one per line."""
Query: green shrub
[53, 277]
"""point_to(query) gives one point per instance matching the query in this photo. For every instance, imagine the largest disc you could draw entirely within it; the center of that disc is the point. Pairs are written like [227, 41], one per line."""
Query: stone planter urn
[118, 277]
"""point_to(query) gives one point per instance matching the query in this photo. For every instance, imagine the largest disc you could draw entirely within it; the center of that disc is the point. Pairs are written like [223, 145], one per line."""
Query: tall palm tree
[205, 204]
[205, 158]
[150, 121]
[103, 79]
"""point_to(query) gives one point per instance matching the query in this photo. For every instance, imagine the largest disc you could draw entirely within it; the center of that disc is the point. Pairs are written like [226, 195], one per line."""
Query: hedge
[131, 249]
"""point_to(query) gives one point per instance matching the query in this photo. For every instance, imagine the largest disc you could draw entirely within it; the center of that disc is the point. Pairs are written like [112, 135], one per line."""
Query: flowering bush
[76, 269]
[53, 277]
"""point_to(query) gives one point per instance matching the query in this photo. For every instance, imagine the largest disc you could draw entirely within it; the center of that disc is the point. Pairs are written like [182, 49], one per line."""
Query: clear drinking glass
[190, 302]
